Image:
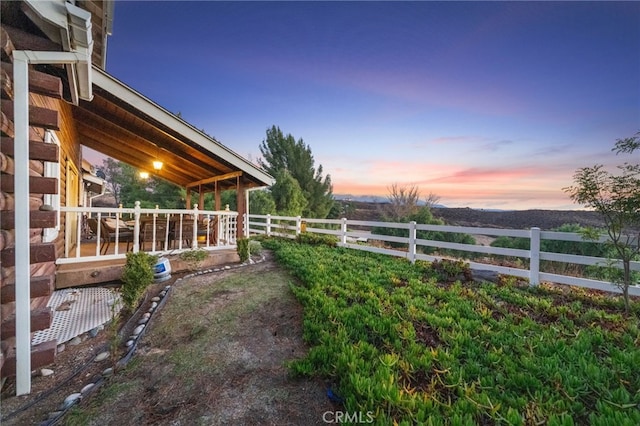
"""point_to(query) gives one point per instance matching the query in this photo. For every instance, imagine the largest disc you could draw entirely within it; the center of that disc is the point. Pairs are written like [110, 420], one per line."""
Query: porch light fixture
[144, 175]
[157, 165]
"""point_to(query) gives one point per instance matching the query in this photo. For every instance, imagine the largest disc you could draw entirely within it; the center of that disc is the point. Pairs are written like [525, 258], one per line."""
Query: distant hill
[513, 219]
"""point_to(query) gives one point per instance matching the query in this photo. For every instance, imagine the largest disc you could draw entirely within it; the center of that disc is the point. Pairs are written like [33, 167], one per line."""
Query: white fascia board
[51, 17]
[109, 83]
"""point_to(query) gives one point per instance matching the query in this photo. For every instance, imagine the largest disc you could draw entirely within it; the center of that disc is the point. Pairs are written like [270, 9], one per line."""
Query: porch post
[200, 197]
[188, 198]
[217, 196]
[241, 202]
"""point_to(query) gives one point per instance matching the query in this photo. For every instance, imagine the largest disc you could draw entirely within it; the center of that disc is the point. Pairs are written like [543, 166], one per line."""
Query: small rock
[143, 320]
[129, 343]
[46, 372]
[75, 341]
[138, 330]
[227, 267]
[87, 388]
[155, 299]
[94, 332]
[71, 399]
[154, 305]
[163, 293]
[61, 347]
[146, 315]
[108, 372]
[167, 287]
[102, 356]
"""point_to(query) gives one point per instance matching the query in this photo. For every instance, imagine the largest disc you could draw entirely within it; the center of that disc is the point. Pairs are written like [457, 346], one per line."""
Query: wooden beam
[43, 252]
[40, 286]
[6, 89]
[38, 117]
[40, 320]
[6, 125]
[37, 150]
[6, 45]
[100, 110]
[22, 40]
[37, 184]
[215, 179]
[39, 82]
[41, 355]
[37, 219]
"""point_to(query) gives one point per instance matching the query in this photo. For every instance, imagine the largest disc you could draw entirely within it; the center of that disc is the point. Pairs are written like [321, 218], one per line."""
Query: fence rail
[348, 237]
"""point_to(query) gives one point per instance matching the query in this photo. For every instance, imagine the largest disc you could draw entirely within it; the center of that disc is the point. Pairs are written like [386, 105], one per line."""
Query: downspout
[75, 27]
[21, 61]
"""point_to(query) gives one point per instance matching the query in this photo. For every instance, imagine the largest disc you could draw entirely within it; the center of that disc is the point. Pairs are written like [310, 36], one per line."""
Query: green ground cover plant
[412, 349]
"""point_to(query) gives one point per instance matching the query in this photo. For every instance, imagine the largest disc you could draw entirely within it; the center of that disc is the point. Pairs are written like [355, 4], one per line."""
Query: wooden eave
[127, 126]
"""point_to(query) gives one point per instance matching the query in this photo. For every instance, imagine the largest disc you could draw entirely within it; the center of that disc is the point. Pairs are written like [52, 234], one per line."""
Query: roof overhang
[129, 127]
[69, 26]
[93, 183]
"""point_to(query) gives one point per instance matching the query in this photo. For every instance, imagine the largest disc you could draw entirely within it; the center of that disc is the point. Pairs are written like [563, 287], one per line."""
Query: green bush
[317, 239]
[243, 249]
[194, 258]
[255, 247]
[136, 276]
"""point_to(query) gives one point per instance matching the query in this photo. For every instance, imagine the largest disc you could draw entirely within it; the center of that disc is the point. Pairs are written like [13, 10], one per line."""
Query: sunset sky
[488, 105]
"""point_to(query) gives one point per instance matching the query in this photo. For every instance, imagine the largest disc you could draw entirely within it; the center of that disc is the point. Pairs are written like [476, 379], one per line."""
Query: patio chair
[108, 234]
[146, 234]
[187, 232]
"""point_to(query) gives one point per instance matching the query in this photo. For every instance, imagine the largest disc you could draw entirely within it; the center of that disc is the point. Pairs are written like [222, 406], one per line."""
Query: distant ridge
[488, 218]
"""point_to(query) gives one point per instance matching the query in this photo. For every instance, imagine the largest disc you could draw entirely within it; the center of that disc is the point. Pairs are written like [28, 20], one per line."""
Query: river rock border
[156, 303]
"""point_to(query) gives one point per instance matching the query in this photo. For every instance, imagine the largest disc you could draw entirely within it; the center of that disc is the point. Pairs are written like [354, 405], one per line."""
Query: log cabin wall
[46, 111]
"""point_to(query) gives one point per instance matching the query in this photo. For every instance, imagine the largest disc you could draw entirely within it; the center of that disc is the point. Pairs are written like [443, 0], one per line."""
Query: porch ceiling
[129, 127]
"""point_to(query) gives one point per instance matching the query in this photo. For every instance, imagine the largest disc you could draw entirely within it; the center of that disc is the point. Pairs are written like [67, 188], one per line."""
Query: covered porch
[125, 125]
[103, 236]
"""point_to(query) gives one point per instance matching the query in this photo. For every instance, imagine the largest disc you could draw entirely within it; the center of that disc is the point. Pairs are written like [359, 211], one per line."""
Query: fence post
[412, 241]
[136, 227]
[298, 225]
[268, 230]
[534, 253]
[343, 229]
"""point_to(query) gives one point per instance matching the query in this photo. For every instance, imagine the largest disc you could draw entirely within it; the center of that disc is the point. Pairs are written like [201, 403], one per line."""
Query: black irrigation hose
[79, 370]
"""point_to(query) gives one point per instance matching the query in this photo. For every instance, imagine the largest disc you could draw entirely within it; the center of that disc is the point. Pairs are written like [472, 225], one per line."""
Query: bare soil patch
[214, 354]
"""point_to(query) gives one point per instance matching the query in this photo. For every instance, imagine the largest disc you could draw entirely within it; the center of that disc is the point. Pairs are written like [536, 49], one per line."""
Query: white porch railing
[361, 239]
[159, 231]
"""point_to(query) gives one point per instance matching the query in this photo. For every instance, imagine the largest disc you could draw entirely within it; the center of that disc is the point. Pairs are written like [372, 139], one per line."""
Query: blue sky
[486, 104]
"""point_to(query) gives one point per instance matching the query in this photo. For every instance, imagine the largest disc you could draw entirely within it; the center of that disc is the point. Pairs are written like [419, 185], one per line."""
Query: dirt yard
[215, 353]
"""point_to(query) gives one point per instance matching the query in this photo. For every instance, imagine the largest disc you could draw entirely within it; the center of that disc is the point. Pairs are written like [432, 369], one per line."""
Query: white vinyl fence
[357, 234]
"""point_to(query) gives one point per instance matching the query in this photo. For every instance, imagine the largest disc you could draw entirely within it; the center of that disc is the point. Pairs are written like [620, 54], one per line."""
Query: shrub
[194, 258]
[243, 249]
[317, 239]
[255, 247]
[136, 276]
